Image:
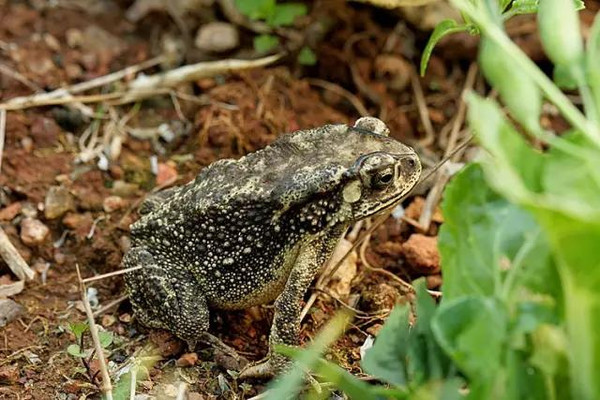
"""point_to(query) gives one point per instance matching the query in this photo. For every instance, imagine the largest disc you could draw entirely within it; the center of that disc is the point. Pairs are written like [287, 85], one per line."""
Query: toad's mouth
[385, 203]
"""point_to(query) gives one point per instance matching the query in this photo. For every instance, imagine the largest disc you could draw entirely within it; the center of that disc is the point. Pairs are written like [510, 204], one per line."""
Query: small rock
[113, 203]
[434, 281]
[415, 208]
[167, 344]
[74, 37]
[126, 318]
[421, 253]
[9, 374]
[167, 174]
[108, 320]
[57, 202]
[195, 396]
[33, 231]
[10, 211]
[187, 360]
[374, 330]
[29, 210]
[78, 221]
[9, 310]
[217, 37]
[124, 189]
[27, 144]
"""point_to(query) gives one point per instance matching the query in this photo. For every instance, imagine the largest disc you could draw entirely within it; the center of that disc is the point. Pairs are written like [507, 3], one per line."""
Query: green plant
[520, 313]
[275, 15]
[507, 8]
[78, 350]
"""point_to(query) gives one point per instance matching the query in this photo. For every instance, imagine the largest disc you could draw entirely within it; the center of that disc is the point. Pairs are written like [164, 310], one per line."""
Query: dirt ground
[52, 180]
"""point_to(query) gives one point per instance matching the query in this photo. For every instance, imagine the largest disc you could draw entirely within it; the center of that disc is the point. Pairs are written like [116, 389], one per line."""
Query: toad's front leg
[288, 306]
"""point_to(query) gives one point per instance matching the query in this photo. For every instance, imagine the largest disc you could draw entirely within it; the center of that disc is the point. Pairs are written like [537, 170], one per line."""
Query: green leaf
[307, 56]
[106, 338]
[387, 358]
[353, 387]
[563, 78]
[472, 330]
[593, 62]
[78, 328]
[403, 354]
[290, 384]
[517, 90]
[264, 43]
[285, 14]
[524, 7]
[442, 29]
[482, 236]
[558, 24]
[75, 351]
[256, 9]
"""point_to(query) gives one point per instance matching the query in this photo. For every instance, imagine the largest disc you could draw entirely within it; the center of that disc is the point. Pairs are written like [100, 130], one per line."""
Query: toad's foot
[264, 369]
[217, 343]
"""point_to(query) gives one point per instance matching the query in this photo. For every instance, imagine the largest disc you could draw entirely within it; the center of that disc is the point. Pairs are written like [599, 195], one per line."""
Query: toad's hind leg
[164, 298]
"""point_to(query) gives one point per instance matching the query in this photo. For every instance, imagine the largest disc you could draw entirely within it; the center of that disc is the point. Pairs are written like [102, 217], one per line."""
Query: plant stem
[552, 92]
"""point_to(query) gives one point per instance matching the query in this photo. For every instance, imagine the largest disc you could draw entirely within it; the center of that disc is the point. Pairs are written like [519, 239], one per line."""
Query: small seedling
[86, 355]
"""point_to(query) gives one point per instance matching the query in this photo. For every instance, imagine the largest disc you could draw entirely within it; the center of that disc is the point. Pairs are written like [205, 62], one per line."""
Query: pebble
[113, 203]
[9, 311]
[10, 211]
[166, 174]
[421, 253]
[57, 202]
[217, 37]
[9, 374]
[33, 231]
[187, 360]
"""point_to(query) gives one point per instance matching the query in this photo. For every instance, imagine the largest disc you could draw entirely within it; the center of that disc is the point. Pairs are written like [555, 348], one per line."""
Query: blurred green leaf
[472, 330]
[307, 56]
[106, 338]
[285, 13]
[482, 235]
[558, 24]
[442, 29]
[256, 9]
[289, 385]
[403, 354]
[264, 43]
[352, 386]
[517, 90]
[75, 351]
[78, 328]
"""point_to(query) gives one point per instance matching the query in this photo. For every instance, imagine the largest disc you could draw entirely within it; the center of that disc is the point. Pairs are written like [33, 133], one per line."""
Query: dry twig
[106, 383]
[422, 107]
[13, 259]
[342, 92]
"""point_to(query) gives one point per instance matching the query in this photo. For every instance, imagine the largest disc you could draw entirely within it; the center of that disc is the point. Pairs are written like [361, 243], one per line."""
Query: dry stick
[434, 195]
[181, 391]
[4, 69]
[192, 72]
[133, 382]
[41, 98]
[342, 92]
[2, 134]
[106, 384]
[114, 273]
[13, 259]
[11, 289]
[422, 108]
[110, 305]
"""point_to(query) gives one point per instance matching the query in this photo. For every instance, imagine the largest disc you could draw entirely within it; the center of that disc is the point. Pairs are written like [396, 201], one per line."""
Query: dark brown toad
[257, 229]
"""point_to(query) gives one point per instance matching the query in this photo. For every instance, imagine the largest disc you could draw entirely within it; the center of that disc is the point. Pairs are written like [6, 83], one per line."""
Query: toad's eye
[382, 178]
